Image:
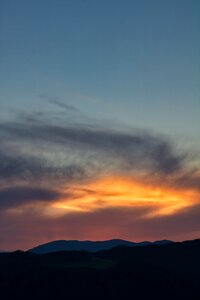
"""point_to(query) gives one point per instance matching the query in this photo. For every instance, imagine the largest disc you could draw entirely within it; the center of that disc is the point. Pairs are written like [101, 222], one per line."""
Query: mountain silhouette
[155, 271]
[90, 246]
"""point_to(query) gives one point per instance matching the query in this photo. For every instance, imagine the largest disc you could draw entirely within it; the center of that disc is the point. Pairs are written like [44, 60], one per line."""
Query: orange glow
[120, 192]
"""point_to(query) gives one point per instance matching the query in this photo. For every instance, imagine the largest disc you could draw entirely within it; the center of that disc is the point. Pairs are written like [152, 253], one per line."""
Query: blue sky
[132, 61]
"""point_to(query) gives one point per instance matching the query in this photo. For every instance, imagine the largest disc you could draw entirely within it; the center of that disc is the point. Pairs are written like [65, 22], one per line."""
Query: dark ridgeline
[91, 246]
[170, 271]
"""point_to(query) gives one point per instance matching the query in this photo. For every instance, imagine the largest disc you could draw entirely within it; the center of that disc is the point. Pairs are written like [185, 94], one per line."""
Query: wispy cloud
[63, 105]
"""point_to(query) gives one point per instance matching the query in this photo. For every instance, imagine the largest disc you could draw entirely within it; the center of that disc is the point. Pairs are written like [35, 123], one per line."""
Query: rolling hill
[91, 246]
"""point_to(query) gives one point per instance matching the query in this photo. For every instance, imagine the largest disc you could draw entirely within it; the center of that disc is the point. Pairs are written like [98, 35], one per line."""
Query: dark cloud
[61, 153]
[133, 149]
[16, 168]
[24, 166]
[14, 165]
[188, 180]
[16, 196]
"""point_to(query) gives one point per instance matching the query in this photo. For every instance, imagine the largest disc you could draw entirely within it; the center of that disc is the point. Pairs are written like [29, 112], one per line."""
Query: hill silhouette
[91, 246]
[169, 271]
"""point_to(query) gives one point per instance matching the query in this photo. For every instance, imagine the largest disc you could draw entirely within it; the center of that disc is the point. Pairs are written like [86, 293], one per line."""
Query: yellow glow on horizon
[120, 192]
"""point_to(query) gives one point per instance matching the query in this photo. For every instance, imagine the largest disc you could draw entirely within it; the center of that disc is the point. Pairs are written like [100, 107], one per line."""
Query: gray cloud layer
[45, 154]
[15, 196]
[133, 149]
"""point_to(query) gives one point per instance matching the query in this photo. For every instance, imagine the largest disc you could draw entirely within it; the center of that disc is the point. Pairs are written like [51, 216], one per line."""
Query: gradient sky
[99, 120]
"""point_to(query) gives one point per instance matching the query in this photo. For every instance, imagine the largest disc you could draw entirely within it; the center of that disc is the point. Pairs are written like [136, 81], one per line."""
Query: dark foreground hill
[169, 271]
[91, 246]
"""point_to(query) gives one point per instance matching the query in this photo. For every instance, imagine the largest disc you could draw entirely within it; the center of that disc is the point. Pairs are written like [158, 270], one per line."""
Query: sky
[99, 120]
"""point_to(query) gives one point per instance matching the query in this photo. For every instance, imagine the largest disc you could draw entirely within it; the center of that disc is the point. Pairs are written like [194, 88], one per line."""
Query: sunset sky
[99, 120]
